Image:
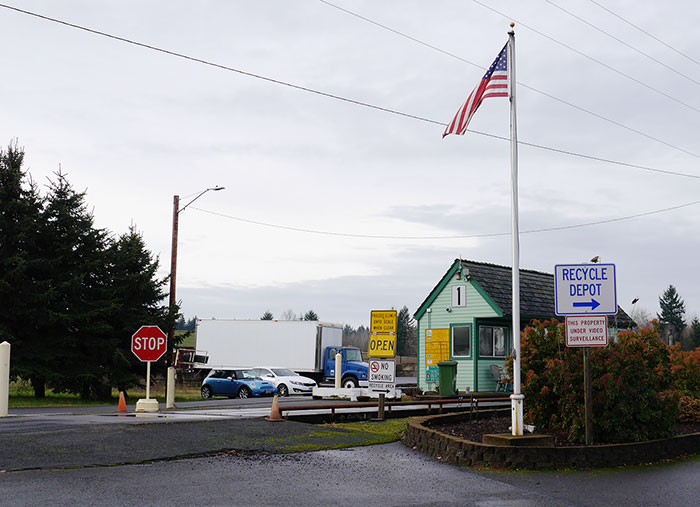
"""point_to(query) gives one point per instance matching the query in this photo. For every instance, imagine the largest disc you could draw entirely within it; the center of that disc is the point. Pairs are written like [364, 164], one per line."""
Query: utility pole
[173, 275]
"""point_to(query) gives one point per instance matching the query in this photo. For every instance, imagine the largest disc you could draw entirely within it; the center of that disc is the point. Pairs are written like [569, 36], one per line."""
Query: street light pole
[173, 263]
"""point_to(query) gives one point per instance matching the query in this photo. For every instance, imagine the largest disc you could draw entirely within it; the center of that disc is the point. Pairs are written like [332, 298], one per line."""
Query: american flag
[493, 84]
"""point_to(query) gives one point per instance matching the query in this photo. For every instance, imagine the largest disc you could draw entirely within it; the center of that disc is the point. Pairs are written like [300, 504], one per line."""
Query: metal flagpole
[516, 399]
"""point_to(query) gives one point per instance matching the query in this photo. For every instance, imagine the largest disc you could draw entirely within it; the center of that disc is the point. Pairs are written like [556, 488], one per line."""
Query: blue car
[239, 383]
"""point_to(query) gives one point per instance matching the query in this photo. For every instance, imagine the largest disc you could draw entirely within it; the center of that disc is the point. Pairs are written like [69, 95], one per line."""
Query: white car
[287, 381]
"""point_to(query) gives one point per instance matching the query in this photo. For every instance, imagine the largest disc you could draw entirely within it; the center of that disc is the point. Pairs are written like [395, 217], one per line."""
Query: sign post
[586, 294]
[382, 344]
[584, 331]
[149, 344]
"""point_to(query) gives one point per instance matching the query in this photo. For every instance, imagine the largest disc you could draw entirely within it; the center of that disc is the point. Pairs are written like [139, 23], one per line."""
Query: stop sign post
[149, 344]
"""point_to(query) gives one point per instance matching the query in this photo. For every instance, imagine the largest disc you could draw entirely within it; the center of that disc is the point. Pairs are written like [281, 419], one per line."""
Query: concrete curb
[464, 452]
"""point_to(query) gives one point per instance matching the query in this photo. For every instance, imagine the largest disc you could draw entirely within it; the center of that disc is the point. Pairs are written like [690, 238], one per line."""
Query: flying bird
[595, 259]
[635, 300]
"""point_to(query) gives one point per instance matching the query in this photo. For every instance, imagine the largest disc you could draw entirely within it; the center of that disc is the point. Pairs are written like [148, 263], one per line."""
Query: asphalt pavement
[99, 436]
[208, 453]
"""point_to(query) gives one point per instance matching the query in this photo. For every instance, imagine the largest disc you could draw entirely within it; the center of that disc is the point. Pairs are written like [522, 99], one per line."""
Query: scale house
[467, 318]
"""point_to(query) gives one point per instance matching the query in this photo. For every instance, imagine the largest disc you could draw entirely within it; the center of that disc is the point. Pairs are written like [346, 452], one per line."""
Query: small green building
[467, 318]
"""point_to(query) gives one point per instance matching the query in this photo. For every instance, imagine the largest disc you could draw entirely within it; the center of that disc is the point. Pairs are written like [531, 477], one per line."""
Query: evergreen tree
[310, 315]
[71, 296]
[672, 314]
[405, 332]
[138, 298]
[695, 328]
[21, 290]
[267, 316]
[77, 300]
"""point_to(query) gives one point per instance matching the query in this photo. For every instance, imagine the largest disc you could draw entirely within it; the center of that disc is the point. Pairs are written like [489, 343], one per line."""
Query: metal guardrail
[473, 404]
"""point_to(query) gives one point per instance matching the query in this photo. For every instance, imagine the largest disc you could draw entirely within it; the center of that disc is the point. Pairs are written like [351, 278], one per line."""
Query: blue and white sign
[585, 289]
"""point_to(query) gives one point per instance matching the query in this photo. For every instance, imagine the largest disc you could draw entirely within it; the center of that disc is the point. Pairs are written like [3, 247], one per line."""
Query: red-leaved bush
[637, 382]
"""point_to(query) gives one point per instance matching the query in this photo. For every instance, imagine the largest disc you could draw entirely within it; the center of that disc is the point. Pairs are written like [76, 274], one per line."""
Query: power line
[622, 42]
[352, 101]
[645, 32]
[220, 66]
[588, 57]
[531, 88]
[470, 236]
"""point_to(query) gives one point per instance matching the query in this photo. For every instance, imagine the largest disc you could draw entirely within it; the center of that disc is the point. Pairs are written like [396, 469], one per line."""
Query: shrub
[688, 409]
[685, 370]
[628, 379]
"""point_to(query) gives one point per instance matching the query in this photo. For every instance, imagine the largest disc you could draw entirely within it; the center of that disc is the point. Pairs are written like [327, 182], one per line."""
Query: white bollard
[4, 378]
[170, 388]
[516, 416]
[338, 369]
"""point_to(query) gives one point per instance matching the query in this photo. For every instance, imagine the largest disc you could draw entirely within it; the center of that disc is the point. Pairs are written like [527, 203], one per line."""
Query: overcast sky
[133, 127]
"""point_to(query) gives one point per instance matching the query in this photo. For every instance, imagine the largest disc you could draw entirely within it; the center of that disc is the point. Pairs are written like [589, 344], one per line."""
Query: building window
[461, 340]
[492, 341]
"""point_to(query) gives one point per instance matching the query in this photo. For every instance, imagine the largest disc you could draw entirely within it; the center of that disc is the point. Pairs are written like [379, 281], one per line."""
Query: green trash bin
[448, 378]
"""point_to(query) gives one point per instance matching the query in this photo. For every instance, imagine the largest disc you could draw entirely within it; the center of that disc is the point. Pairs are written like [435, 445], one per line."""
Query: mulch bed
[474, 431]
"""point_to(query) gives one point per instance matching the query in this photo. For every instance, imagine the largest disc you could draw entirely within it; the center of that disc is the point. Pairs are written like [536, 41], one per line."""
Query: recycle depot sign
[585, 289]
[382, 334]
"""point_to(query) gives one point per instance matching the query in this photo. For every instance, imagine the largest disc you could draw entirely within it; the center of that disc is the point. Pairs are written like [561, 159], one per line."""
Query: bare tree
[641, 316]
[289, 315]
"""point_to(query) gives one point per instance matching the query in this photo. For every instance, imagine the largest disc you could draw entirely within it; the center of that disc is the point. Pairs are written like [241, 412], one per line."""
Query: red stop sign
[149, 343]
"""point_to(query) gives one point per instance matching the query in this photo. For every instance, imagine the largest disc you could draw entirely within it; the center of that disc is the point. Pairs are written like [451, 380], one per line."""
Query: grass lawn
[22, 395]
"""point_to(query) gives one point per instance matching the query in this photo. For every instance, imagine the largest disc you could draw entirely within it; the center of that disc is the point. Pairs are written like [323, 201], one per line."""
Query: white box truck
[307, 347]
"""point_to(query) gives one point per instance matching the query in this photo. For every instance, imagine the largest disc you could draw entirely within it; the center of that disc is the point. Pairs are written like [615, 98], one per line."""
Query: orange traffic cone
[274, 411]
[122, 403]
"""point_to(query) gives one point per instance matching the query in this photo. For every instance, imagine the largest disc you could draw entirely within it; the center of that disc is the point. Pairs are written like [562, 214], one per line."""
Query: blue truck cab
[354, 369]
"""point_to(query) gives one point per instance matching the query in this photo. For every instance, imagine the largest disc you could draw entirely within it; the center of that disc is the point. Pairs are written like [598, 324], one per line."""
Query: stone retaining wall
[463, 452]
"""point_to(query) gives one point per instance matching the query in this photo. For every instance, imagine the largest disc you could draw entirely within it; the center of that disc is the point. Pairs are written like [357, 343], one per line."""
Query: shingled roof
[536, 291]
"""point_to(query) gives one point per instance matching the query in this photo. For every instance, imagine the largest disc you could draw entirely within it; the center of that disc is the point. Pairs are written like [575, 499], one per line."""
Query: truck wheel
[207, 393]
[244, 392]
[349, 383]
[282, 390]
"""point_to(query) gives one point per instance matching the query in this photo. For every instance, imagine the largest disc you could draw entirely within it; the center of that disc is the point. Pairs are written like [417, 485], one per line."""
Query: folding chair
[498, 377]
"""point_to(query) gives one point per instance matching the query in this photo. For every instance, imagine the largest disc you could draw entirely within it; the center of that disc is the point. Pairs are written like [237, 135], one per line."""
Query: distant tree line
[406, 337]
[290, 315]
[71, 294]
[185, 325]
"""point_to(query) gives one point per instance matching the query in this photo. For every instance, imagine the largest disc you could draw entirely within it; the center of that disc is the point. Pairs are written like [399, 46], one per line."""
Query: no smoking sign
[381, 371]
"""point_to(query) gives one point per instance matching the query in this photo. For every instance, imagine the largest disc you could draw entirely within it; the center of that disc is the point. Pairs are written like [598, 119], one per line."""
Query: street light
[173, 260]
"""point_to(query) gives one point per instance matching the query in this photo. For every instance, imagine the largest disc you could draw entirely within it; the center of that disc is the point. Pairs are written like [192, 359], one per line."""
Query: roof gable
[495, 283]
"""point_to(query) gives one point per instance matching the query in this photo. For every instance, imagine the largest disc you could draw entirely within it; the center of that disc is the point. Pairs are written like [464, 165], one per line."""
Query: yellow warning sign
[437, 346]
[383, 322]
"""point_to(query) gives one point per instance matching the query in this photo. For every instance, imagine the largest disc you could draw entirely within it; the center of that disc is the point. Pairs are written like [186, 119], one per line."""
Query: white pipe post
[516, 398]
[338, 369]
[4, 378]
[170, 396]
[148, 380]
